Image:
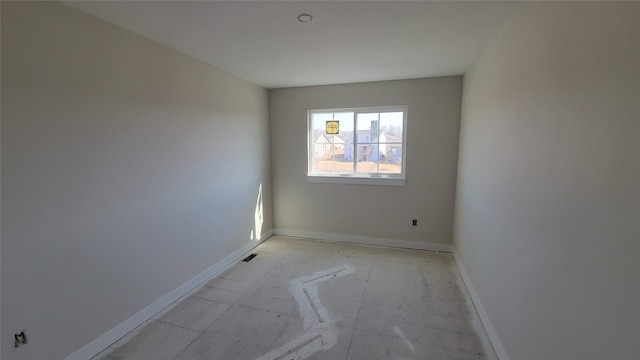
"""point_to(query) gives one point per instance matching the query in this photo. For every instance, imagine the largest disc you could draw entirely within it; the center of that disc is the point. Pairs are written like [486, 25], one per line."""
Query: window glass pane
[366, 166]
[332, 162]
[391, 125]
[367, 150]
[319, 122]
[391, 158]
[329, 149]
[368, 128]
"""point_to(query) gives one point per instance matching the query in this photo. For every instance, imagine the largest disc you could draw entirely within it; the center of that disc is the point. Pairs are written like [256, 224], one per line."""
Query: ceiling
[346, 42]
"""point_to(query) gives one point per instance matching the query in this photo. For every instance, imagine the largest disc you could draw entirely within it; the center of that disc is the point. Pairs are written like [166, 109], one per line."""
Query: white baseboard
[482, 313]
[112, 336]
[365, 240]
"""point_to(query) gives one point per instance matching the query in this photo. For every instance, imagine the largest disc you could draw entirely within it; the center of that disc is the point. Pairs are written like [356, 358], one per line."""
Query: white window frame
[358, 178]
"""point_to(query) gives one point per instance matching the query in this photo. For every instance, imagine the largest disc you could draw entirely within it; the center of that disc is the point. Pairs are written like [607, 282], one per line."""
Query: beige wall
[127, 169]
[548, 198]
[364, 210]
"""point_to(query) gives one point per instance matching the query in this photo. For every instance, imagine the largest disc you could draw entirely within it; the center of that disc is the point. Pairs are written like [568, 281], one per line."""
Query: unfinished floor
[306, 299]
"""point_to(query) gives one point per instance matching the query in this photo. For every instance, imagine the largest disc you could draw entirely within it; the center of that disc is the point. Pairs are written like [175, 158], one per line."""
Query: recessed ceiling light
[305, 18]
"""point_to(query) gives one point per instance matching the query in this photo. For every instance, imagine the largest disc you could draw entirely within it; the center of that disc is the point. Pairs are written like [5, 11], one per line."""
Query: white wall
[128, 168]
[548, 198]
[380, 212]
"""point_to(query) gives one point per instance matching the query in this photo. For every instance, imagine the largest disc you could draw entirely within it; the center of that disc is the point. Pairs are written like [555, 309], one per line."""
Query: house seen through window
[356, 144]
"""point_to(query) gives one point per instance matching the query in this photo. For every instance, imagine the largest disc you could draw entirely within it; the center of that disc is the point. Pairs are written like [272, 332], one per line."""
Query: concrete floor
[305, 299]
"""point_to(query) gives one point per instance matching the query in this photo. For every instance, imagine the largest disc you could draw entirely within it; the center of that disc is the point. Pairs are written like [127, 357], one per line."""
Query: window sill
[356, 180]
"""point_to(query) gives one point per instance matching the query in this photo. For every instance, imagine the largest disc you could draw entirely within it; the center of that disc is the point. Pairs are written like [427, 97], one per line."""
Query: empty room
[279, 180]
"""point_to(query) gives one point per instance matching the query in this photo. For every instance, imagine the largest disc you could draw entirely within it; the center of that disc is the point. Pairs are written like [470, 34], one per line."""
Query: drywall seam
[482, 313]
[121, 330]
[365, 240]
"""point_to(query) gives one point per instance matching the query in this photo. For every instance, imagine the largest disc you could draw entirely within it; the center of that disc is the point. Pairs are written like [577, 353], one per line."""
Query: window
[358, 145]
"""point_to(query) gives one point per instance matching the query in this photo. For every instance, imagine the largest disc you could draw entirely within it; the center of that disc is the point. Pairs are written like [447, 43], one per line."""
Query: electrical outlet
[19, 339]
[414, 222]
